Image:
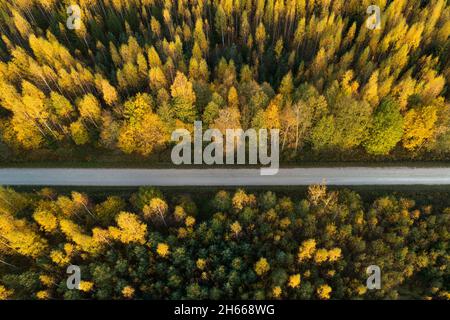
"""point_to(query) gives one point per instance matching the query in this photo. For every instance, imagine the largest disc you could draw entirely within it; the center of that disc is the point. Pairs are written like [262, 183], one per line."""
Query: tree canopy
[229, 245]
[310, 68]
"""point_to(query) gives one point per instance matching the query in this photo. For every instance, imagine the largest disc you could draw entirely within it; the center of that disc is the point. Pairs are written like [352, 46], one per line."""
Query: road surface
[225, 177]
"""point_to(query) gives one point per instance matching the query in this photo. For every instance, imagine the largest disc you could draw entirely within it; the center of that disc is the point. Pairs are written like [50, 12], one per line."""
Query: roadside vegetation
[137, 69]
[153, 244]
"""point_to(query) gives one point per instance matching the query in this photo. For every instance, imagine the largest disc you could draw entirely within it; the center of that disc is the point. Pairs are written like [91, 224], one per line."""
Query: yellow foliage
[43, 295]
[294, 280]
[276, 292]
[109, 92]
[285, 222]
[306, 250]
[190, 221]
[46, 220]
[59, 258]
[201, 263]
[143, 136]
[348, 85]
[272, 114]
[128, 292]
[316, 193]
[89, 108]
[21, 237]
[69, 249]
[5, 293]
[334, 254]
[359, 218]
[445, 295]
[236, 227]
[262, 266]
[86, 286]
[419, 127]
[182, 233]
[233, 98]
[330, 229]
[179, 213]
[361, 290]
[241, 200]
[163, 250]
[321, 256]
[324, 292]
[130, 229]
[47, 280]
[370, 91]
[83, 241]
[157, 207]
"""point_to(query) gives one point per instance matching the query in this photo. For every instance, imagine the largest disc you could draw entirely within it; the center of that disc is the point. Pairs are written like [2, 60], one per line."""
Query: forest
[135, 70]
[234, 244]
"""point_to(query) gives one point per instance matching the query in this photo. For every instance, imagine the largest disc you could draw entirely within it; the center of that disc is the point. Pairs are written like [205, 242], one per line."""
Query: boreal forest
[106, 82]
[135, 70]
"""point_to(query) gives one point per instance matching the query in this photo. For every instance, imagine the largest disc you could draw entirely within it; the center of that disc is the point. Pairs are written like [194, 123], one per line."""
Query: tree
[157, 79]
[157, 207]
[370, 90]
[18, 237]
[143, 137]
[222, 201]
[199, 36]
[241, 200]
[79, 133]
[130, 229]
[60, 105]
[324, 292]
[419, 127]
[163, 250]
[260, 36]
[294, 281]
[307, 249]
[236, 228]
[90, 109]
[262, 266]
[210, 113]
[128, 292]
[137, 107]
[5, 293]
[109, 131]
[352, 119]
[335, 229]
[46, 219]
[233, 98]
[110, 94]
[220, 22]
[323, 135]
[386, 130]
[106, 211]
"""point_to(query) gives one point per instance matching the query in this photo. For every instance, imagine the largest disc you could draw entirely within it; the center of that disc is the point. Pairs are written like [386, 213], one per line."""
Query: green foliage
[241, 246]
[386, 130]
[194, 61]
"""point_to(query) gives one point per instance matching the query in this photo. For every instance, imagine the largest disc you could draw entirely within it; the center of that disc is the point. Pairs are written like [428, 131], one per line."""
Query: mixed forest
[134, 70]
[237, 245]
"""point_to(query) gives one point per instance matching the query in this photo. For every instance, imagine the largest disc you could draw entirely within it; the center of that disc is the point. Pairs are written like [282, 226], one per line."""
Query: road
[225, 177]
